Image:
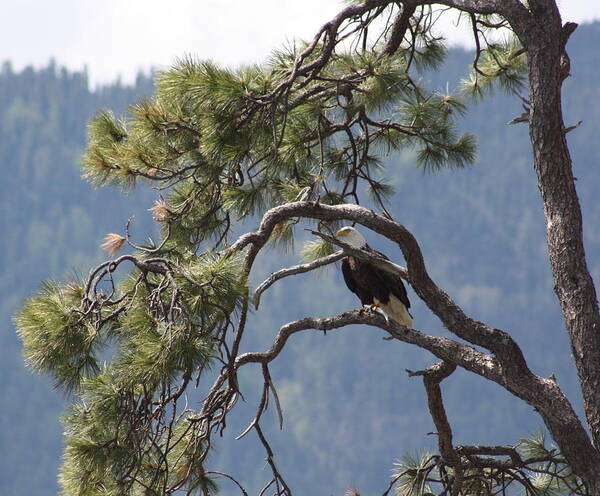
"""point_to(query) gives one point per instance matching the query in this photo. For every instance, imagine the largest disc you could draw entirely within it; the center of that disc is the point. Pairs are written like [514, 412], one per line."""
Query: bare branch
[444, 348]
[432, 376]
[438, 301]
[329, 33]
[231, 478]
[277, 402]
[506, 8]
[376, 260]
[295, 269]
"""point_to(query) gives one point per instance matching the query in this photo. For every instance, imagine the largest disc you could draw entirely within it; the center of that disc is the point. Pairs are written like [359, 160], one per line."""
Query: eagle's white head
[352, 237]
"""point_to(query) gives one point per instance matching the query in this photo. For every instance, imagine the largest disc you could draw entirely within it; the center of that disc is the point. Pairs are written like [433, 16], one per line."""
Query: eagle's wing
[389, 280]
[353, 286]
[348, 277]
[399, 290]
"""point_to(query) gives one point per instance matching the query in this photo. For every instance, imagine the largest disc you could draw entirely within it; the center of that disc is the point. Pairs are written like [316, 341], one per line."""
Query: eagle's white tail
[396, 311]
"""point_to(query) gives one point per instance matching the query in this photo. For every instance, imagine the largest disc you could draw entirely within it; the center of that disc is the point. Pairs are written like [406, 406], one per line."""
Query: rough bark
[544, 38]
[432, 377]
[573, 284]
[401, 25]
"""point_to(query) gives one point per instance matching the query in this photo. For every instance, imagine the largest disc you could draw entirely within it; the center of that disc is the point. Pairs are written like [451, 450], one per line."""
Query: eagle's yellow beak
[341, 233]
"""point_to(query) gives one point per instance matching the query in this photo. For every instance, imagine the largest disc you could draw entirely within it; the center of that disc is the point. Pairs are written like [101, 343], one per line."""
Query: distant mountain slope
[350, 408]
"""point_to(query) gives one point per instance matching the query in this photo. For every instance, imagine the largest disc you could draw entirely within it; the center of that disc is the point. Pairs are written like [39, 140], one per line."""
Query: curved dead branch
[295, 269]
[444, 348]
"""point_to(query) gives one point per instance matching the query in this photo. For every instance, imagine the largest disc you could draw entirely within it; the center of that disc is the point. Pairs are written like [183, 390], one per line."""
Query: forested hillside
[350, 409]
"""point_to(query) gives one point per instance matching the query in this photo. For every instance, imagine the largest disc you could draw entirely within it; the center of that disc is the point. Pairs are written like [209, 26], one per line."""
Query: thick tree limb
[459, 458]
[444, 348]
[544, 37]
[573, 283]
[401, 24]
[438, 301]
[505, 8]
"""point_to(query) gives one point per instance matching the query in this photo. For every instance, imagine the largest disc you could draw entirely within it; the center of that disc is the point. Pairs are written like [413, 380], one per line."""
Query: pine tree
[298, 141]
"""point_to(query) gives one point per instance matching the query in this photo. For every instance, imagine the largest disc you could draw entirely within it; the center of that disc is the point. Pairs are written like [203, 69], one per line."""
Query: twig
[223, 474]
[295, 269]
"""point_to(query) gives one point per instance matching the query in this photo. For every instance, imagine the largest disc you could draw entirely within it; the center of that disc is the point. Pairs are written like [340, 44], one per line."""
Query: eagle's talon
[387, 320]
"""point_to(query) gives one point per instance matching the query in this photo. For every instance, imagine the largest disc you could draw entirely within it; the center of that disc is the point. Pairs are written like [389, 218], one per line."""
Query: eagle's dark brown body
[375, 286]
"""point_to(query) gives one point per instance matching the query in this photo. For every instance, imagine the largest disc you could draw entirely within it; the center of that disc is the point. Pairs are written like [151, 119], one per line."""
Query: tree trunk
[544, 39]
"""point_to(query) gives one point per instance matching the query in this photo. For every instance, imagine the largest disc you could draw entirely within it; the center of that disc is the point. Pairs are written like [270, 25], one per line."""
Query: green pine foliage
[282, 236]
[104, 441]
[124, 433]
[227, 140]
[315, 249]
[158, 333]
[501, 65]
[412, 473]
[58, 341]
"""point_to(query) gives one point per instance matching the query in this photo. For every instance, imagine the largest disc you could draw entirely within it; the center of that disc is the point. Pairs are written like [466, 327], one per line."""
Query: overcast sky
[119, 37]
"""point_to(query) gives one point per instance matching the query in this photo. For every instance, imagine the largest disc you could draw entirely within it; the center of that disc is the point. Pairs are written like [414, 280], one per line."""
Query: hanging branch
[432, 377]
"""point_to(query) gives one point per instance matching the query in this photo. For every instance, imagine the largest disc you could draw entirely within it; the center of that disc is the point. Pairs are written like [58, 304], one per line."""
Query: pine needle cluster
[502, 65]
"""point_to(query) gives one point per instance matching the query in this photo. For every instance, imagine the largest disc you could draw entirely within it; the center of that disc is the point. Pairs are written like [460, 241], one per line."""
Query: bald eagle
[375, 287]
